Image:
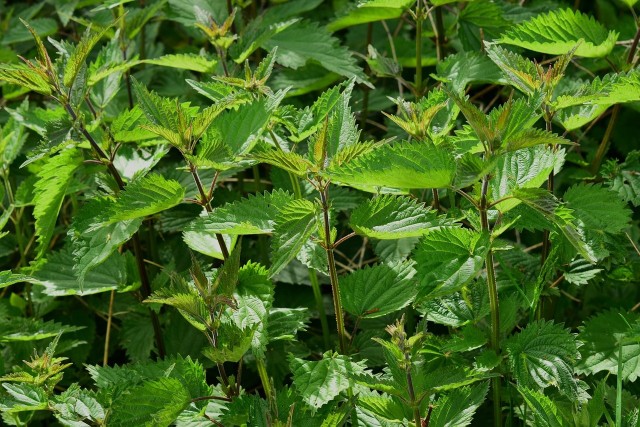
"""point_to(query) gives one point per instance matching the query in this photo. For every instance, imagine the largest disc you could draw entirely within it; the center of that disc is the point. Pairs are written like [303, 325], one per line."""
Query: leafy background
[300, 212]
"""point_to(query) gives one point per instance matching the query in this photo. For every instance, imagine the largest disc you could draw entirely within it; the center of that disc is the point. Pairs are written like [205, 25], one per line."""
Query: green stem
[264, 378]
[412, 396]
[419, 19]
[145, 283]
[619, 389]
[493, 303]
[333, 273]
[317, 295]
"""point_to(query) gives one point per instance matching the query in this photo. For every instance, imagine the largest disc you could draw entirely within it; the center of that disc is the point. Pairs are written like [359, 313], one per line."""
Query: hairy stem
[546, 243]
[333, 273]
[107, 337]
[266, 381]
[205, 200]
[493, 303]
[419, 19]
[145, 284]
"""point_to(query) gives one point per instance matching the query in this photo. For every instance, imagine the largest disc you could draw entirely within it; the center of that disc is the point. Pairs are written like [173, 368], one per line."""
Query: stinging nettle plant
[268, 228]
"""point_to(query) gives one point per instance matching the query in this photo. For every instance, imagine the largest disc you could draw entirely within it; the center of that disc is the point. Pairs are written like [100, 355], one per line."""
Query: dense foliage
[307, 213]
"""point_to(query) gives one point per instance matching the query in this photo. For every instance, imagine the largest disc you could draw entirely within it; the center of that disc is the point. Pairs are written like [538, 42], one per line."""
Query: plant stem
[619, 389]
[333, 273]
[493, 303]
[264, 378]
[145, 284]
[419, 19]
[206, 202]
[412, 396]
[105, 356]
[440, 36]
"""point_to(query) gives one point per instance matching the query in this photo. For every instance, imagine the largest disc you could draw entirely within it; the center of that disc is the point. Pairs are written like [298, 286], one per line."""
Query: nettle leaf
[545, 411]
[543, 355]
[624, 178]
[49, 191]
[145, 196]
[559, 31]
[599, 208]
[7, 278]
[460, 308]
[448, 259]
[25, 76]
[601, 92]
[253, 215]
[92, 242]
[306, 41]
[154, 403]
[391, 217]
[289, 161]
[457, 408]
[59, 275]
[284, 323]
[24, 397]
[602, 337]
[526, 168]
[185, 61]
[519, 71]
[30, 329]
[399, 165]
[463, 68]
[77, 405]
[369, 11]
[378, 290]
[294, 225]
[319, 382]
[79, 54]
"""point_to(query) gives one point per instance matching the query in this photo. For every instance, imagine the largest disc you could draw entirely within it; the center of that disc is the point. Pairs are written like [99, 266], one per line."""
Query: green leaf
[145, 196]
[457, 408]
[154, 403]
[22, 329]
[559, 31]
[289, 161]
[305, 42]
[79, 54]
[448, 259]
[378, 290]
[319, 382]
[233, 343]
[526, 168]
[519, 71]
[207, 243]
[543, 354]
[599, 208]
[24, 397]
[624, 178]
[239, 128]
[253, 215]
[400, 165]
[76, 405]
[602, 337]
[7, 278]
[369, 11]
[53, 180]
[185, 61]
[545, 411]
[284, 323]
[59, 278]
[295, 224]
[463, 68]
[391, 217]
[92, 242]
[24, 76]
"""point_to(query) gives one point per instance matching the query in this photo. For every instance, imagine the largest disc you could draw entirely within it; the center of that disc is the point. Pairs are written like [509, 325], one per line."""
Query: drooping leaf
[305, 41]
[185, 61]
[294, 225]
[543, 355]
[21, 329]
[145, 196]
[369, 11]
[559, 31]
[448, 259]
[602, 337]
[391, 217]
[254, 215]
[319, 382]
[458, 407]
[599, 208]
[378, 290]
[400, 165]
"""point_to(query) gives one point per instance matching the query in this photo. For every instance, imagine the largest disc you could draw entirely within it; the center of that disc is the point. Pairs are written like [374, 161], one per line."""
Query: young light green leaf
[253, 215]
[185, 61]
[53, 180]
[25, 76]
[240, 128]
[378, 290]
[147, 195]
[559, 31]
[289, 161]
[393, 217]
[294, 225]
[463, 68]
[79, 54]
[519, 71]
[448, 259]
[319, 382]
[369, 11]
[399, 165]
[543, 354]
